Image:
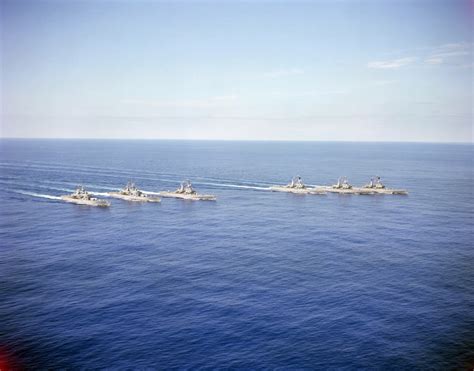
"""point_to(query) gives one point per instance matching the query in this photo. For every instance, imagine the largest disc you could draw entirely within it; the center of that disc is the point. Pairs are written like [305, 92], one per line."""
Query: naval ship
[374, 187]
[187, 192]
[343, 186]
[82, 197]
[296, 186]
[131, 193]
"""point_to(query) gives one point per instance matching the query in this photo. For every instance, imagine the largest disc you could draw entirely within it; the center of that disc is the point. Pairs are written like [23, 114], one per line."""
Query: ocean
[255, 280]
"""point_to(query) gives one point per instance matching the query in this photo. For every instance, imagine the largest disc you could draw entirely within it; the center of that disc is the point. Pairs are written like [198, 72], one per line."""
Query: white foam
[235, 186]
[220, 185]
[76, 184]
[151, 193]
[260, 186]
[16, 184]
[49, 197]
[99, 193]
[120, 173]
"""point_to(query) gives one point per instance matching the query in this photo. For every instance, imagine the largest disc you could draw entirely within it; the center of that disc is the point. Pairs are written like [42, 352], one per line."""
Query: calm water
[254, 280]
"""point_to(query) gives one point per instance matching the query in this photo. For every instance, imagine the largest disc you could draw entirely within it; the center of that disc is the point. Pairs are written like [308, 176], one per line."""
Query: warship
[131, 193]
[375, 183]
[296, 186]
[343, 186]
[342, 183]
[82, 197]
[187, 192]
[376, 186]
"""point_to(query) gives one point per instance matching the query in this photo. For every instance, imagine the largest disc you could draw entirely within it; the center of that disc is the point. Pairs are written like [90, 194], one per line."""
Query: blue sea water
[254, 280]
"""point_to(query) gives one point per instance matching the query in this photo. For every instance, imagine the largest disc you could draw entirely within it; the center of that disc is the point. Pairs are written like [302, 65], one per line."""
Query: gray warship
[187, 192]
[131, 193]
[296, 186]
[82, 197]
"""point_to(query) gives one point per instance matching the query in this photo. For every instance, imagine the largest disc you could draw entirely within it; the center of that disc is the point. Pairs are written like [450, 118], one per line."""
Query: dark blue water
[254, 280]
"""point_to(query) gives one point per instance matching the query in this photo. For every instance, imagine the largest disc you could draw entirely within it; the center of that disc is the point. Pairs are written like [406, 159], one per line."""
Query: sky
[238, 70]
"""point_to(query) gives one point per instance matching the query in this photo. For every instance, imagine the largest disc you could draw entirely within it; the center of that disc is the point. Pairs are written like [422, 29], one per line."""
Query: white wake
[49, 197]
[235, 186]
[219, 185]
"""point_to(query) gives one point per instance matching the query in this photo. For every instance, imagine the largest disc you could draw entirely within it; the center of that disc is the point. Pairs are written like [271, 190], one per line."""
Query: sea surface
[254, 280]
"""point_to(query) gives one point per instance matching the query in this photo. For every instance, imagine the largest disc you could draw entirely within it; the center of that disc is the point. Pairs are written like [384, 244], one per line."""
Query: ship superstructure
[131, 193]
[296, 186]
[187, 192]
[82, 197]
[375, 186]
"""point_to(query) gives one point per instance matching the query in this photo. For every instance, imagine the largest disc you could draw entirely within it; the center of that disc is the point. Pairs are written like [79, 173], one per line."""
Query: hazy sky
[315, 70]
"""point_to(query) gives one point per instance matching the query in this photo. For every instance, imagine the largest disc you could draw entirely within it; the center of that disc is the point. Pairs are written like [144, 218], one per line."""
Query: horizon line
[242, 140]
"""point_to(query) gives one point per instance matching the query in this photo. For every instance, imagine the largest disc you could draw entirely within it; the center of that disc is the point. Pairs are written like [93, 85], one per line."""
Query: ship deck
[133, 198]
[301, 191]
[363, 191]
[97, 202]
[192, 197]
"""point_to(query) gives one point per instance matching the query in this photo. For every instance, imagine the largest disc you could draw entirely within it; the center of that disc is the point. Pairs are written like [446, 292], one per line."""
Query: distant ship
[187, 192]
[296, 186]
[82, 197]
[375, 183]
[343, 186]
[131, 193]
[375, 186]
[342, 183]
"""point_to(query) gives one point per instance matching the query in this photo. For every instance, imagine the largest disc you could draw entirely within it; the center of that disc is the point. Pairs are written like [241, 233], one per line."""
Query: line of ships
[187, 192]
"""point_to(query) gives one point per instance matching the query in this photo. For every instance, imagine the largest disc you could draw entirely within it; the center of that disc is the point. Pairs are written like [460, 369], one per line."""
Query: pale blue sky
[319, 70]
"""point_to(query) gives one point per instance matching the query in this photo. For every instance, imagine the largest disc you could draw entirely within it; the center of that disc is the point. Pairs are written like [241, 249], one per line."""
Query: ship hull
[363, 191]
[300, 191]
[97, 203]
[195, 197]
[388, 191]
[133, 198]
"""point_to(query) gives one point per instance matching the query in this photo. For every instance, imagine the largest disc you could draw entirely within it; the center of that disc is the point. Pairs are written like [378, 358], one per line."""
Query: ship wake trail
[49, 197]
[151, 193]
[220, 185]
[99, 194]
[236, 186]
